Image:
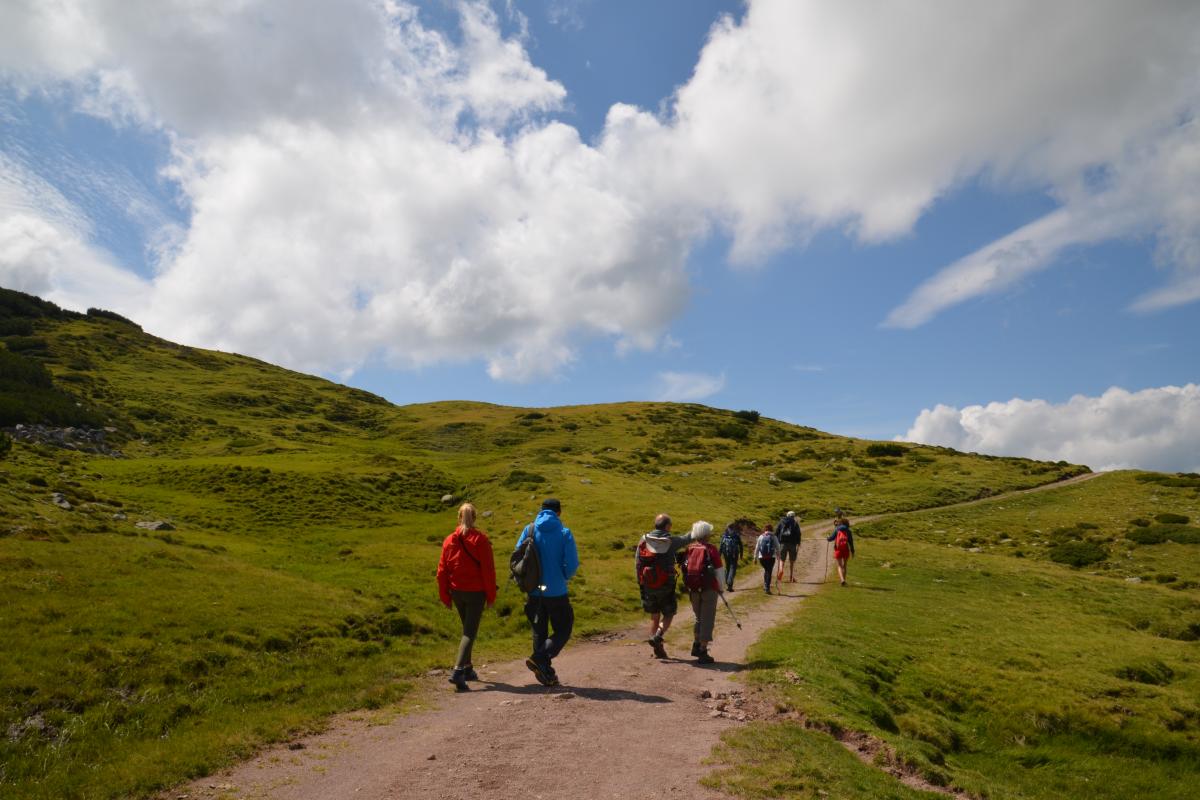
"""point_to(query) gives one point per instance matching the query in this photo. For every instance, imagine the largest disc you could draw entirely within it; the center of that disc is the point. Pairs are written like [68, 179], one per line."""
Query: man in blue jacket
[548, 607]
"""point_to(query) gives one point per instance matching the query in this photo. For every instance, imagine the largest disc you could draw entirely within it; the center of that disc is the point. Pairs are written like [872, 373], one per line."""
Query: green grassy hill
[297, 578]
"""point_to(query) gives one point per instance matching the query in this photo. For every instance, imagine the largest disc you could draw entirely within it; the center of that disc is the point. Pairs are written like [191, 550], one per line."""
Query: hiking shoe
[696, 649]
[656, 643]
[704, 658]
[459, 679]
[543, 674]
[552, 678]
[470, 674]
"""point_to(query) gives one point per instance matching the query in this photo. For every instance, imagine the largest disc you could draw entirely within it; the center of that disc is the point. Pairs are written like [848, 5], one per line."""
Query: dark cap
[552, 504]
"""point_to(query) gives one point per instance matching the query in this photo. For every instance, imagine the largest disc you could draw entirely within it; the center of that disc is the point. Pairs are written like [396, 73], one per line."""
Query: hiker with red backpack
[654, 561]
[466, 576]
[703, 574]
[766, 549]
[843, 545]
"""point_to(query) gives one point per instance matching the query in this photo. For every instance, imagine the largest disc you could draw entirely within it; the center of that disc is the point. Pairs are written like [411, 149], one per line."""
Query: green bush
[747, 416]
[731, 430]
[886, 449]
[1157, 534]
[793, 476]
[1077, 554]
[522, 479]
[1172, 519]
[1154, 673]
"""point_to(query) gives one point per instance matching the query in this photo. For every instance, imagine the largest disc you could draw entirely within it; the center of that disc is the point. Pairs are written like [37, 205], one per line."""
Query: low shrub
[1172, 519]
[886, 449]
[1077, 554]
[1153, 673]
[747, 416]
[793, 476]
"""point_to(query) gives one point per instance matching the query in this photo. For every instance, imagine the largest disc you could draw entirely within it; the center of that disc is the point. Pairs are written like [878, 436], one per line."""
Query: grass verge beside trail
[1004, 677]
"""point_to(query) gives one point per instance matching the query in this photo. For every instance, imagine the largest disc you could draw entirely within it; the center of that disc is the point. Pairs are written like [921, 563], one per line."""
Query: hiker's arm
[487, 562]
[570, 555]
[443, 579]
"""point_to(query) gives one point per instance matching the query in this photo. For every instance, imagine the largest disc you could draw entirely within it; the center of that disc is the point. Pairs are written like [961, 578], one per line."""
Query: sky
[958, 222]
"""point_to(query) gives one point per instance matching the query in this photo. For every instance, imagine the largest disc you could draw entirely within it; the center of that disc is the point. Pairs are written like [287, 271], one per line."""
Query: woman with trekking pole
[466, 576]
[843, 545]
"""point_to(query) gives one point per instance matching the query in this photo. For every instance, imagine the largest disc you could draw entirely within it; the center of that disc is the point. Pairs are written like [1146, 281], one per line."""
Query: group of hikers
[546, 558]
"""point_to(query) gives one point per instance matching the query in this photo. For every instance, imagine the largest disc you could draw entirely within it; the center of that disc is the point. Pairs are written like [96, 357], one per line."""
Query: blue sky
[980, 231]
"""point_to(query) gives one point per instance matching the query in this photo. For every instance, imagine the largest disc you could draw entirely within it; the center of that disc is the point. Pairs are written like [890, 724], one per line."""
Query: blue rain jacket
[557, 551]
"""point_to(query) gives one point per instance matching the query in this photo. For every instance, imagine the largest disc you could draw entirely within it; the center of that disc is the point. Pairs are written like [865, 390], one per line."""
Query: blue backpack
[729, 543]
[767, 549]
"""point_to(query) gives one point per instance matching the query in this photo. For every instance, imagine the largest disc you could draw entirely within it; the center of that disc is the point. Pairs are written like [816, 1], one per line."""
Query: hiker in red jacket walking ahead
[466, 577]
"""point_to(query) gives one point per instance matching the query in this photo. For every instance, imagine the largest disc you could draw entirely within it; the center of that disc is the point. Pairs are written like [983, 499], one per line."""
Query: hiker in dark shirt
[731, 548]
[654, 561]
[788, 533]
[765, 551]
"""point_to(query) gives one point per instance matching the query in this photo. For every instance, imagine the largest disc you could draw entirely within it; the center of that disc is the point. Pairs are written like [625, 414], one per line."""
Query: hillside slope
[305, 520]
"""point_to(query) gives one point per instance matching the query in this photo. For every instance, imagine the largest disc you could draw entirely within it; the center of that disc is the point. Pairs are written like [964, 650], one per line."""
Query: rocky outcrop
[88, 440]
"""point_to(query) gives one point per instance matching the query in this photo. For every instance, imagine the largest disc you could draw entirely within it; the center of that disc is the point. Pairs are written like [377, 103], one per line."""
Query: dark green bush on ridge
[1077, 554]
[886, 449]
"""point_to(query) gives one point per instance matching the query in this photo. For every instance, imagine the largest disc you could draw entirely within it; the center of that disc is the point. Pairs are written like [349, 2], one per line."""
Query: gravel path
[622, 725]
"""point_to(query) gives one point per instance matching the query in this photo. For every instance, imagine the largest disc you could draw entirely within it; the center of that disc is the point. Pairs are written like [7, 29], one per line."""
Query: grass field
[307, 516]
[1004, 676]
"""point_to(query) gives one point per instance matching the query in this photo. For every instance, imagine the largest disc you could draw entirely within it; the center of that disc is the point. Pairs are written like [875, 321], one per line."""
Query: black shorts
[788, 550]
[660, 601]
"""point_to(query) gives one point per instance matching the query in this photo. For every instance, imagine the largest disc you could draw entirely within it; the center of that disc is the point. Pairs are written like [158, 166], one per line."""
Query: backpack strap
[462, 542]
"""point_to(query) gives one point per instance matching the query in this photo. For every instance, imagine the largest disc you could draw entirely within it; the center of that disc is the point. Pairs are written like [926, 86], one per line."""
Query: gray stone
[155, 525]
[448, 499]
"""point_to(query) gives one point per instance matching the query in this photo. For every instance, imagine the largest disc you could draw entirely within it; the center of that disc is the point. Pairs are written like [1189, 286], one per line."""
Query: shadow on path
[586, 692]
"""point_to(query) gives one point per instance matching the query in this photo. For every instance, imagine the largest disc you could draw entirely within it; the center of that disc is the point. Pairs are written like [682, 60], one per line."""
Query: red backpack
[699, 563]
[650, 570]
[841, 542]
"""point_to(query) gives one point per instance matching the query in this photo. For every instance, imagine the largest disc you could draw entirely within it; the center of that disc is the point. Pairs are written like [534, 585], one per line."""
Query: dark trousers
[731, 566]
[768, 565]
[546, 614]
[470, 610]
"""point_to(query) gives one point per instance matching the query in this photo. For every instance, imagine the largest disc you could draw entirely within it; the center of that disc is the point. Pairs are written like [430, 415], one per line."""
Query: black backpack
[525, 566]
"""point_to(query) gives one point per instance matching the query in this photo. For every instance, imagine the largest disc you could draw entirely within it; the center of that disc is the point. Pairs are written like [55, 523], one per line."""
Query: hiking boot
[470, 673]
[703, 657]
[729, 588]
[543, 674]
[459, 679]
[552, 677]
[656, 643]
[696, 650]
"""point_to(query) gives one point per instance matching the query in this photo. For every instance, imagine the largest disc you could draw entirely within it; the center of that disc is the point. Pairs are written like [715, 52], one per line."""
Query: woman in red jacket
[466, 577]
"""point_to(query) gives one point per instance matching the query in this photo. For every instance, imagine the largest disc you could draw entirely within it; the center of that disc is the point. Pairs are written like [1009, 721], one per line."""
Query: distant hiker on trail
[788, 533]
[654, 564]
[843, 545]
[731, 550]
[548, 607]
[703, 574]
[466, 577]
[765, 551]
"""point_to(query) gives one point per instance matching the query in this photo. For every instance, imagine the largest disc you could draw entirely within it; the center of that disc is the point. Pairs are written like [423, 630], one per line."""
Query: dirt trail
[622, 725]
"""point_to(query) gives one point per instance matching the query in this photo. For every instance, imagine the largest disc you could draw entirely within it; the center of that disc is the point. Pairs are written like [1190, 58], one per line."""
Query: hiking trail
[622, 724]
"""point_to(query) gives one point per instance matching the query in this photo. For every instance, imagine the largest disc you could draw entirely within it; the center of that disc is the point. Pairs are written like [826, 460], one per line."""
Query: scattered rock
[154, 525]
[974, 549]
[706, 694]
[61, 501]
[564, 696]
[487, 514]
[295, 745]
[1134, 579]
[715, 714]
[585, 481]
[91, 440]
[448, 499]
[119, 516]
[431, 757]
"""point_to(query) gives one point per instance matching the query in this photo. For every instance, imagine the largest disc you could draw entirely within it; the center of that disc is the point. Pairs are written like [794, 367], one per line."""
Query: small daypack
[650, 570]
[766, 548]
[729, 543]
[525, 565]
[697, 567]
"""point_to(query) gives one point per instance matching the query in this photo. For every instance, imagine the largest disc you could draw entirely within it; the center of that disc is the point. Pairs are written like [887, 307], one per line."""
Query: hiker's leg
[654, 623]
[841, 565]
[698, 609]
[731, 566]
[470, 611]
[562, 620]
[666, 622]
[706, 615]
[539, 623]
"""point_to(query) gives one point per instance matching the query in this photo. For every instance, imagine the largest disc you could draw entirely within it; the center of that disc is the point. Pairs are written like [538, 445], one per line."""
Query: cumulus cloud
[1156, 429]
[686, 387]
[362, 186]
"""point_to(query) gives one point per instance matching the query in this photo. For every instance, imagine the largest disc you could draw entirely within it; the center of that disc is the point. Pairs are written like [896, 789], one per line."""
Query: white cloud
[1156, 429]
[685, 387]
[361, 186]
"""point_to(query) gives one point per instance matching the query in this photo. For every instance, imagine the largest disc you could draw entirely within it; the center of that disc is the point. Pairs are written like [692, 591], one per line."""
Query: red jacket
[466, 570]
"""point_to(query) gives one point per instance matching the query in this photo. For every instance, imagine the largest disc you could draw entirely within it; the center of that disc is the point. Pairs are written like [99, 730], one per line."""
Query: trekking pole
[730, 609]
